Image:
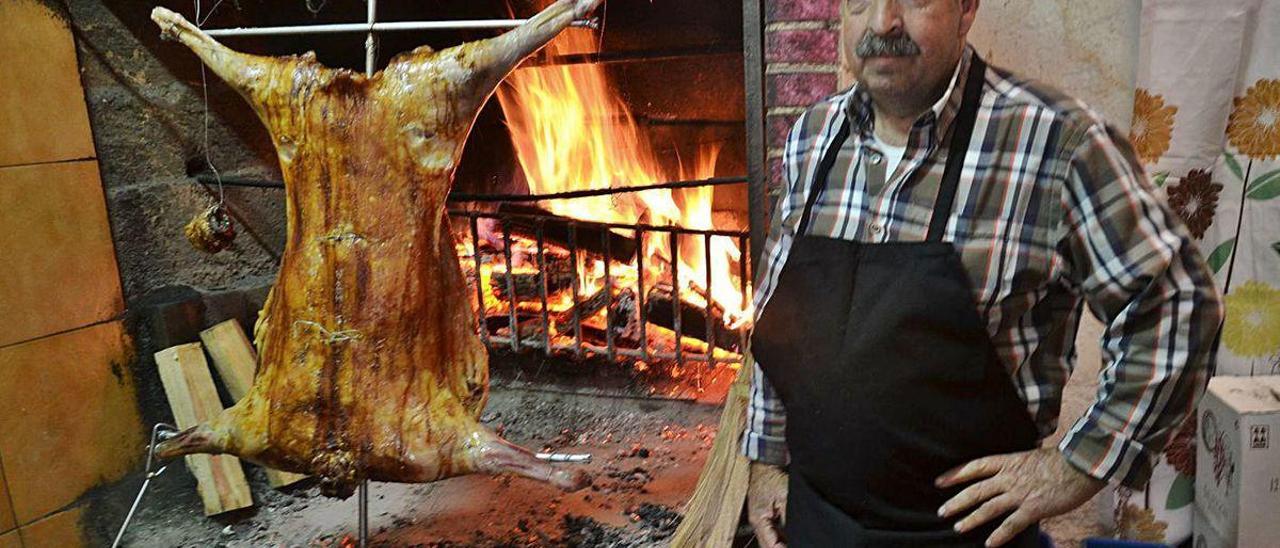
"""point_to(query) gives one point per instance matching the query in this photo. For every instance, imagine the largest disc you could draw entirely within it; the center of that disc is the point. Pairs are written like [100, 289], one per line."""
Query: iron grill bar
[577, 319]
[588, 193]
[621, 351]
[607, 57]
[675, 298]
[640, 294]
[390, 26]
[514, 324]
[542, 290]
[475, 256]
[706, 310]
[608, 296]
[743, 257]
[602, 226]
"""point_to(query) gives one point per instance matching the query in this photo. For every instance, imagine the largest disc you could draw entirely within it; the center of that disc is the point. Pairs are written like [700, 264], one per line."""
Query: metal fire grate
[570, 230]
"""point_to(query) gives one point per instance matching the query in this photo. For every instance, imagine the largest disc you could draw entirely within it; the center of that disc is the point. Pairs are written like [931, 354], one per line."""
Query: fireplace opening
[657, 280]
[600, 216]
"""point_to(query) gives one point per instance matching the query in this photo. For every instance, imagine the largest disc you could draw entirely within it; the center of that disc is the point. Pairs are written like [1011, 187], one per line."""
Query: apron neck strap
[824, 171]
[962, 131]
[958, 148]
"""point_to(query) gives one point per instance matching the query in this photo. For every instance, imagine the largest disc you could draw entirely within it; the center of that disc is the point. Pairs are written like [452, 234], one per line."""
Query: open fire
[625, 272]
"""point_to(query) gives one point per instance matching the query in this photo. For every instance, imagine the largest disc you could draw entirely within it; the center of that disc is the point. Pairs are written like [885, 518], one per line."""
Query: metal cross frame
[371, 28]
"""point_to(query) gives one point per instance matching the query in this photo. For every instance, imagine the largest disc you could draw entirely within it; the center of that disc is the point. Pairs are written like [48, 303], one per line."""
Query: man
[943, 225]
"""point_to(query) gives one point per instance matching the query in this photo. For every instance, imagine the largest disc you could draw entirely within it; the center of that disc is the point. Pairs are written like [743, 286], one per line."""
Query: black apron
[888, 376]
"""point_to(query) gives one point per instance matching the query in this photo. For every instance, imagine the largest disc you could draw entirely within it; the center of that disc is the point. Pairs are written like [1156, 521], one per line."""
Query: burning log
[528, 285]
[555, 230]
[659, 309]
[623, 317]
[583, 310]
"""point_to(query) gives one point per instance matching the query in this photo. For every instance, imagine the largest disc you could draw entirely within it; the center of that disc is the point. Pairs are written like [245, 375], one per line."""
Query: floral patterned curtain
[1207, 124]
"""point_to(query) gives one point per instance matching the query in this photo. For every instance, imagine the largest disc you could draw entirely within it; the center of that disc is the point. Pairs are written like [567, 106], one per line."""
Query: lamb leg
[233, 67]
[494, 455]
[197, 439]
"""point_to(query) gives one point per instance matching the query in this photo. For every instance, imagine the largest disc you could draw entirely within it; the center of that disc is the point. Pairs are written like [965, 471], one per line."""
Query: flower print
[1152, 125]
[1254, 126]
[1195, 199]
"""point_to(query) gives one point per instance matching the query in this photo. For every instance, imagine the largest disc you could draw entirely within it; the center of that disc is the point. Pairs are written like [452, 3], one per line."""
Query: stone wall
[147, 113]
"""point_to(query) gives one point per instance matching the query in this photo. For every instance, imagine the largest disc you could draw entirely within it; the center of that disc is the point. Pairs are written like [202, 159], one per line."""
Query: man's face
[904, 51]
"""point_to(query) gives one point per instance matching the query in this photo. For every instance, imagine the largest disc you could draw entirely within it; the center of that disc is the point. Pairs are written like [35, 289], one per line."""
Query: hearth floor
[647, 454]
[646, 458]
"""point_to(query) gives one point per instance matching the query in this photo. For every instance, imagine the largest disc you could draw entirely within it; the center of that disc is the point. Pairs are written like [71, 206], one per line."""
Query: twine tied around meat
[332, 337]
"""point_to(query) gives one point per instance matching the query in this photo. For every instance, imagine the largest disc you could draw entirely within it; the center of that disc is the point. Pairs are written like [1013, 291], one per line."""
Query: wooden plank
[194, 400]
[236, 362]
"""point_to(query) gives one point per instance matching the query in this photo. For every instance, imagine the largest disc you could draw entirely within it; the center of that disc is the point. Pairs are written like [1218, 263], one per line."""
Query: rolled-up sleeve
[1140, 273]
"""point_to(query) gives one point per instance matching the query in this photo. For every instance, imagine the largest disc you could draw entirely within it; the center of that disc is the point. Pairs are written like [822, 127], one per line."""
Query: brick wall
[801, 53]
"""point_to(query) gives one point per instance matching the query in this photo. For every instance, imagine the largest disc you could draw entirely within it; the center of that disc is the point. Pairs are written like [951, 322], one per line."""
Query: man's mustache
[875, 45]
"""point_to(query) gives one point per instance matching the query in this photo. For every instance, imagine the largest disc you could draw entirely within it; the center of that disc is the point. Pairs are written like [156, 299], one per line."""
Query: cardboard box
[1204, 535]
[1238, 460]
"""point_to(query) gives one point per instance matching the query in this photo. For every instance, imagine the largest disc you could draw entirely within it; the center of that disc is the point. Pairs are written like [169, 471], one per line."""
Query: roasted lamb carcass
[370, 364]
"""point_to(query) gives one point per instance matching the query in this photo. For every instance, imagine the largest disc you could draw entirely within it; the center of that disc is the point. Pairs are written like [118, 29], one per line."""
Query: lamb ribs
[370, 365]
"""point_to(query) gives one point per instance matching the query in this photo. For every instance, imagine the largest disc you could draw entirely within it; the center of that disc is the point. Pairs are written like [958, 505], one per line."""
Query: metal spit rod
[159, 432]
[362, 511]
[370, 66]
[373, 27]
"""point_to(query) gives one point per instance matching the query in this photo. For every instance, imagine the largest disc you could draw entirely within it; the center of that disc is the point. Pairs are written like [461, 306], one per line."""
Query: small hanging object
[211, 230]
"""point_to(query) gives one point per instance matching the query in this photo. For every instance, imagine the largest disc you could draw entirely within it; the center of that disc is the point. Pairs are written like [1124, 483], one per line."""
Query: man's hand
[767, 503]
[1033, 485]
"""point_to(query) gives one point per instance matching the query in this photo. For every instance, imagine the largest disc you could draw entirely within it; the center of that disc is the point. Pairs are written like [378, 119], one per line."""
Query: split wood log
[237, 362]
[528, 284]
[659, 309]
[623, 320]
[556, 231]
[188, 385]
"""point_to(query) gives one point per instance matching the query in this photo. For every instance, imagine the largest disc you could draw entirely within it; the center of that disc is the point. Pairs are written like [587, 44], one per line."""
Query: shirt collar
[930, 125]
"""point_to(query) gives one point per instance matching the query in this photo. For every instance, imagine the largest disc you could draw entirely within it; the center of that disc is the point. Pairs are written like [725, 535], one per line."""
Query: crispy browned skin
[370, 365]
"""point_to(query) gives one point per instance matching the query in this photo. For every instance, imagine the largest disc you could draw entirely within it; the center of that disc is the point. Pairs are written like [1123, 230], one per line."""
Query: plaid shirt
[1053, 212]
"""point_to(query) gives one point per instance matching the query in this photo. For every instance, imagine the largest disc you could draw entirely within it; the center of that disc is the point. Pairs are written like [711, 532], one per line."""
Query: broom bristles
[712, 514]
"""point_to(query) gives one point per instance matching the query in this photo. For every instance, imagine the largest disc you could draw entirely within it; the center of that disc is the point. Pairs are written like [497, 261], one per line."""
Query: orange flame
[572, 132]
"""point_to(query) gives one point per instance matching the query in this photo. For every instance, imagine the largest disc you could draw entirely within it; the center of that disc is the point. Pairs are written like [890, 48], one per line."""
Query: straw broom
[712, 514]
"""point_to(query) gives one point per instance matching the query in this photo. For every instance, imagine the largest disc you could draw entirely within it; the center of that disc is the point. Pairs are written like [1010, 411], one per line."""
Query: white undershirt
[893, 156]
